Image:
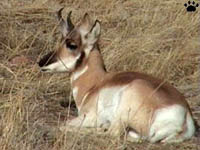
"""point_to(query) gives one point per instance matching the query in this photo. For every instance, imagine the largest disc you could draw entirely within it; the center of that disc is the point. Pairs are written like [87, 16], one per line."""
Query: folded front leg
[81, 122]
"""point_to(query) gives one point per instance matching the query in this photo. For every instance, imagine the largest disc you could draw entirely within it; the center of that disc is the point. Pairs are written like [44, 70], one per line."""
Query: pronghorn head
[76, 44]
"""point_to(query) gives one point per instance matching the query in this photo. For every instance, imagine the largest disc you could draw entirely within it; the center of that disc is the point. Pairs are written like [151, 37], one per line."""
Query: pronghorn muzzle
[47, 60]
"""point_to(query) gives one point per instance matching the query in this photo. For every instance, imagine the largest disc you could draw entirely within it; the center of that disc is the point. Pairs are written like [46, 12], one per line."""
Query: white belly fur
[168, 122]
[108, 102]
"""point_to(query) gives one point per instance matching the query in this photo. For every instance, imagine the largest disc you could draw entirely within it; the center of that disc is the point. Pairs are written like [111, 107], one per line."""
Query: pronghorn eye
[71, 45]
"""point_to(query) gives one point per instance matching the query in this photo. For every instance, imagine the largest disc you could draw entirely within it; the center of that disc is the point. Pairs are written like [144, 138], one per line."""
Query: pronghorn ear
[94, 33]
[65, 26]
[85, 24]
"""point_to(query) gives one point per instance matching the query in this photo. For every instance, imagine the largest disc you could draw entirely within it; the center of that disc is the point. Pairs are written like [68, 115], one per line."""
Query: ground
[156, 37]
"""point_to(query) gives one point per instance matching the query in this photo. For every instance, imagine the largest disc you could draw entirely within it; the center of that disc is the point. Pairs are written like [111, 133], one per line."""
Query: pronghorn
[146, 107]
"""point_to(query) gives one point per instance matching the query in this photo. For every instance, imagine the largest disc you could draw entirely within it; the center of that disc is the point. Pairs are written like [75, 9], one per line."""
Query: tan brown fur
[96, 78]
[124, 100]
[152, 93]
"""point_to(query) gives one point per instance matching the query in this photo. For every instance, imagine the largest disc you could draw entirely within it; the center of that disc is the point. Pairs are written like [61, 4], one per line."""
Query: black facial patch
[47, 59]
[80, 60]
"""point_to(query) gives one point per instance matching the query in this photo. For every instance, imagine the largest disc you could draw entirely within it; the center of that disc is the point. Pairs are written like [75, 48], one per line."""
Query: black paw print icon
[191, 6]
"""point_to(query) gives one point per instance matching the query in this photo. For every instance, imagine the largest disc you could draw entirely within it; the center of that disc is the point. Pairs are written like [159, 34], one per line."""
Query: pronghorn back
[144, 106]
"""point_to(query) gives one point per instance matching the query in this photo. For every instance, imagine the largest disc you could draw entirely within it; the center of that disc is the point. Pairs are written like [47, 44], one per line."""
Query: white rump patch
[168, 123]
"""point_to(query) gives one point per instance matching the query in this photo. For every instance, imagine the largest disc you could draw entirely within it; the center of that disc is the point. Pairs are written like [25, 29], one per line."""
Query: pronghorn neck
[87, 76]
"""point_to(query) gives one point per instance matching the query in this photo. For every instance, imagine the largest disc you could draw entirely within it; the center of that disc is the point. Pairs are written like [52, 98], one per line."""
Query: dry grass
[155, 37]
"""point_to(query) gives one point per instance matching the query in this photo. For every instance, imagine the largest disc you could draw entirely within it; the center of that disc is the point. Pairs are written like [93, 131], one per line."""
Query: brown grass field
[156, 37]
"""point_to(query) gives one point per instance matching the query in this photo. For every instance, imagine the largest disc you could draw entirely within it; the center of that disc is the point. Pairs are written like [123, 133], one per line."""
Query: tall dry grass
[155, 37]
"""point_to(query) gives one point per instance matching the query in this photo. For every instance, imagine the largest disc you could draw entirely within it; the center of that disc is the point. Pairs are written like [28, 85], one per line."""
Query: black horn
[69, 22]
[59, 13]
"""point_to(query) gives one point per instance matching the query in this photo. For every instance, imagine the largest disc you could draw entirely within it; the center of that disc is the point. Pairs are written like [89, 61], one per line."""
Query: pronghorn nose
[47, 59]
[41, 63]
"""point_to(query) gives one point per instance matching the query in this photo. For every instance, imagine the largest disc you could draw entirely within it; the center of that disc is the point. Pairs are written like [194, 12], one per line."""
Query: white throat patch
[77, 74]
[75, 92]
